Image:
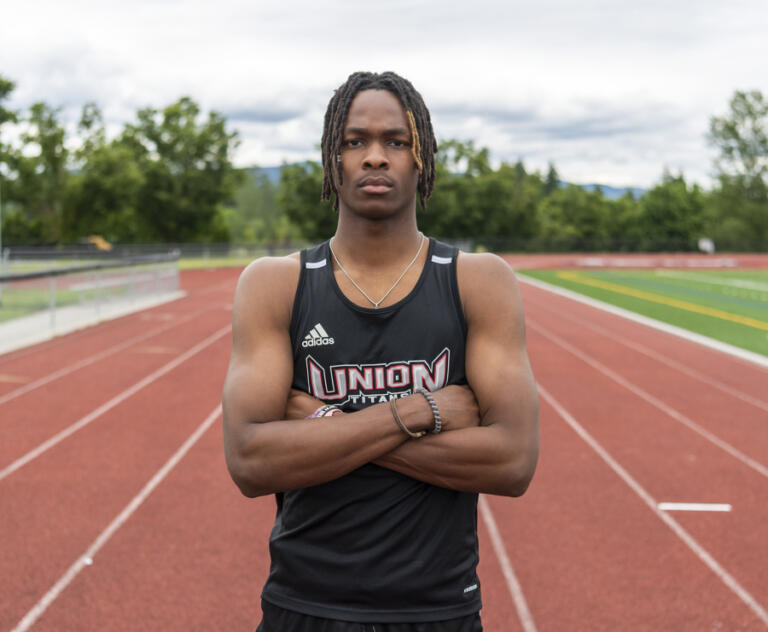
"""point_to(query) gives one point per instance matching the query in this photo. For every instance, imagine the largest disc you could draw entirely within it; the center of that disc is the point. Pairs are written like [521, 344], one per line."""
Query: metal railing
[59, 298]
[118, 251]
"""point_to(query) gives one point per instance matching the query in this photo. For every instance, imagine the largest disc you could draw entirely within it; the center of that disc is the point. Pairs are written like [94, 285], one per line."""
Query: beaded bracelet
[325, 411]
[435, 412]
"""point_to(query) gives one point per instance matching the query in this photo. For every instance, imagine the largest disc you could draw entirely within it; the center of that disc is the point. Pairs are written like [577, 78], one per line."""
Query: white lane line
[86, 559]
[694, 507]
[84, 421]
[678, 530]
[526, 620]
[668, 410]
[705, 341]
[47, 379]
[659, 357]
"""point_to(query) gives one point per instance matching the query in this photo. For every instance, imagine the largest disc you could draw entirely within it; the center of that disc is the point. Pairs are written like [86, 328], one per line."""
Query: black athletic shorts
[278, 619]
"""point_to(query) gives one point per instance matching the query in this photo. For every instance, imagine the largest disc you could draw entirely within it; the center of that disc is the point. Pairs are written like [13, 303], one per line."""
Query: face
[380, 177]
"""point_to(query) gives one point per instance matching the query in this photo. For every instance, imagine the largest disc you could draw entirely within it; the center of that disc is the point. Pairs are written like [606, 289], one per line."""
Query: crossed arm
[490, 438]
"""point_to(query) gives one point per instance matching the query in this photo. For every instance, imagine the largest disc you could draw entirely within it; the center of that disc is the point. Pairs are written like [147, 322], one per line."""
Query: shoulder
[479, 273]
[486, 283]
[270, 269]
[267, 287]
[475, 266]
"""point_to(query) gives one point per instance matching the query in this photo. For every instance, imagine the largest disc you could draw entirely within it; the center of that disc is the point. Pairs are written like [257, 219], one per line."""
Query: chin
[379, 209]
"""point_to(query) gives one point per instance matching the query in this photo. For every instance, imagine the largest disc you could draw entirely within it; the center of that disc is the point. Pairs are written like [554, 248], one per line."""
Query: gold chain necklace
[394, 285]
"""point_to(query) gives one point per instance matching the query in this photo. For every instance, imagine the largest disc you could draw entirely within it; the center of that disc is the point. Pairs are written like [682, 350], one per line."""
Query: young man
[378, 382]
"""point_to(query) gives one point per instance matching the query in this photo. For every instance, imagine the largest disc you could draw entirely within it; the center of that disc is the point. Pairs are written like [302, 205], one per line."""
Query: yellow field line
[672, 302]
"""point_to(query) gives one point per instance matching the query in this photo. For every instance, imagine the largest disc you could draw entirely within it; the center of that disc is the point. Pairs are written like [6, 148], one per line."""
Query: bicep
[258, 380]
[498, 369]
[260, 371]
[499, 374]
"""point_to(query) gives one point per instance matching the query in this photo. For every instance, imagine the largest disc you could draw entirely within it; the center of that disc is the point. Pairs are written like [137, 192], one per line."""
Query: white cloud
[608, 91]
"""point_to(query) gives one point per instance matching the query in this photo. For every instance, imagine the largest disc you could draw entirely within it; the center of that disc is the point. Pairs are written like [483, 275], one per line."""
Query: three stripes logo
[317, 337]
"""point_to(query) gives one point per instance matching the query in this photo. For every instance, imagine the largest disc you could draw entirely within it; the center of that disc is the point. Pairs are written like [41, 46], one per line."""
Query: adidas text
[317, 342]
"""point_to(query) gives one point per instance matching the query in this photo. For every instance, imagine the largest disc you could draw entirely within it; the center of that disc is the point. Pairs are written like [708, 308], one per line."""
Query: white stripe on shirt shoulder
[312, 265]
[443, 260]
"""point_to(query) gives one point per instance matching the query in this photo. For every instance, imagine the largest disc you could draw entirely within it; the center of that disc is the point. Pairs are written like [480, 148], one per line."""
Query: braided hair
[423, 142]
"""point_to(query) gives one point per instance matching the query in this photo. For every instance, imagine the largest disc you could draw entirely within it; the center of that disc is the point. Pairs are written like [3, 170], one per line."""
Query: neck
[372, 244]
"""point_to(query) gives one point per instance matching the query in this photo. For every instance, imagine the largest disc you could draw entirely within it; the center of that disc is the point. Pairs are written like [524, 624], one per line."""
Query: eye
[396, 142]
[353, 142]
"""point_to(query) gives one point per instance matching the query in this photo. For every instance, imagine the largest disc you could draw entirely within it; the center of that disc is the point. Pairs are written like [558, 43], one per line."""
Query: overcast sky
[611, 92]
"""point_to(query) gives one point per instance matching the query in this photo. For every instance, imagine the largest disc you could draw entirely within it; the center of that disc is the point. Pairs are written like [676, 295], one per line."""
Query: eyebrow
[387, 132]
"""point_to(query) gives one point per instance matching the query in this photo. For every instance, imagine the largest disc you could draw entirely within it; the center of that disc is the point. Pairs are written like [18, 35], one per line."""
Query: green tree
[299, 198]
[187, 172]
[255, 215]
[737, 215]
[6, 116]
[572, 218]
[552, 181]
[623, 224]
[742, 138]
[38, 170]
[451, 211]
[520, 171]
[496, 207]
[508, 198]
[18, 230]
[461, 157]
[91, 130]
[672, 215]
[735, 220]
[6, 88]
[102, 195]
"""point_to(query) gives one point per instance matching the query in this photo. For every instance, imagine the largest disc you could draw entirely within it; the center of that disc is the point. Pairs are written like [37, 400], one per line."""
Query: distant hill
[610, 193]
[273, 173]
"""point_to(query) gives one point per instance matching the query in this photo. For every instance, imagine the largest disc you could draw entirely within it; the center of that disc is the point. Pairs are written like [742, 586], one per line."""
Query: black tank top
[376, 545]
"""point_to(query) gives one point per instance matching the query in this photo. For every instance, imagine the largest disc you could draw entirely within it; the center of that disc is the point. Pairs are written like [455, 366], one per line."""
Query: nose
[376, 157]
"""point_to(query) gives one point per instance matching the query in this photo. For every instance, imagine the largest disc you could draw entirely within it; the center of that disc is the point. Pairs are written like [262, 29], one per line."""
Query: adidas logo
[317, 337]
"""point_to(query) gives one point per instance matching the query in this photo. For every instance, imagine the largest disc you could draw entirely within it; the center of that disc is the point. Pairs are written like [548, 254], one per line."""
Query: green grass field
[199, 263]
[22, 302]
[22, 298]
[727, 305]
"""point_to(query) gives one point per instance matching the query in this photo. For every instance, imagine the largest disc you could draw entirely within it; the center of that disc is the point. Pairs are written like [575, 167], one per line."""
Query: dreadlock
[423, 143]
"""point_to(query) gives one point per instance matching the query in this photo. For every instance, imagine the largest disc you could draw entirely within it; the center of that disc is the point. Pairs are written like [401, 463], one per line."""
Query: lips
[376, 185]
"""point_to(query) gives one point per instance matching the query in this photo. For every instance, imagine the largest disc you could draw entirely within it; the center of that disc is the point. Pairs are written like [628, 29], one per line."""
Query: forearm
[291, 454]
[481, 459]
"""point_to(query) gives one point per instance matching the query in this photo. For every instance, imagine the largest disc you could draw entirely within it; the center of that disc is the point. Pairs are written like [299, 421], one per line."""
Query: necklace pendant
[387, 293]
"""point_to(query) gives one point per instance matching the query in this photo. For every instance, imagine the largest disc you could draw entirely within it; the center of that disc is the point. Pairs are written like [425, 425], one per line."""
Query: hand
[458, 407]
[300, 405]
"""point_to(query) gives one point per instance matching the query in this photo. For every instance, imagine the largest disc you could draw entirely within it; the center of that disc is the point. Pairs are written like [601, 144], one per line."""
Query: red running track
[118, 512]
